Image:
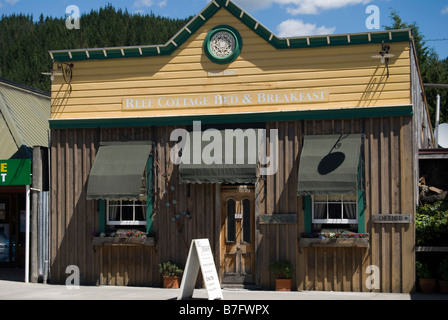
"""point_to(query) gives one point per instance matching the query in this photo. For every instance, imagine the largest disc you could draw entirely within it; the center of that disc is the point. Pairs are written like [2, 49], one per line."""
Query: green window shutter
[102, 215]
[361, 197]
[308, 226]
[150, 196]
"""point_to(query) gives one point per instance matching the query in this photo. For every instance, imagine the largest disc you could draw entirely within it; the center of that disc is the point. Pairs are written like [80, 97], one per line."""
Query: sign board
[200, 256]
[250, 98]
[391, 218]
[15, 172]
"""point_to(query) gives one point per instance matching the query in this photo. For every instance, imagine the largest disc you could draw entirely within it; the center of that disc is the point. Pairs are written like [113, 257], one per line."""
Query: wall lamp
[384, 55]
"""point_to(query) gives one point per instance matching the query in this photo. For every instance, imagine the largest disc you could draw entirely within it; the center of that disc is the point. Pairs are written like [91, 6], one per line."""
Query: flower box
[116, 241]
[335, 240]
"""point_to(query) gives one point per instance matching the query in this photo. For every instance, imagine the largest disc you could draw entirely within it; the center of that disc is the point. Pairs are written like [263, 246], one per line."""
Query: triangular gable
[206, 14]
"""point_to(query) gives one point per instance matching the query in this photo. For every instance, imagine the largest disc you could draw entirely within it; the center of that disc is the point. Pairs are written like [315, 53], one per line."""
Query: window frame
[121, 222]
[334, 221]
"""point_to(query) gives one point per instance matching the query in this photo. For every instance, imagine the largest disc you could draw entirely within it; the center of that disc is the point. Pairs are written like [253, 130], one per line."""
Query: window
[231, 209]
[126, 213]
[246, 221]
[335, 211]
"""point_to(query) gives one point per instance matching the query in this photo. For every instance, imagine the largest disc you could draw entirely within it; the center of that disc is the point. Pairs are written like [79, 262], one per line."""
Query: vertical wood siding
[388, 153]
[389, 182]
[74, 219]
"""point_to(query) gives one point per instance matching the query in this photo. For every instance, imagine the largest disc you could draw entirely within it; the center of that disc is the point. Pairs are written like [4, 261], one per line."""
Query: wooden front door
[237, 236]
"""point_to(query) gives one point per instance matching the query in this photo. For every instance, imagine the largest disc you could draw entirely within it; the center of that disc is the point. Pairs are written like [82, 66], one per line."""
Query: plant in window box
[426, 281]
[131, 237]
[283, 270]
[340, 239]
[171, 274]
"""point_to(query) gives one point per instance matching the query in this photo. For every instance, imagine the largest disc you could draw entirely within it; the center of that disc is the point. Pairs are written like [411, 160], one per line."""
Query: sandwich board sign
[200, 256]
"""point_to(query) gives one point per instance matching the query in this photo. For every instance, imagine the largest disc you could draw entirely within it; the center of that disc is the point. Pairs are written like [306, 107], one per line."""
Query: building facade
[272, 148]
[24, 136]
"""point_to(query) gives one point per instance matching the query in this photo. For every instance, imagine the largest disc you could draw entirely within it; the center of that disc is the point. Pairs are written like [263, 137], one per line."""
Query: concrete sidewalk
[14, 290]
[13, 287]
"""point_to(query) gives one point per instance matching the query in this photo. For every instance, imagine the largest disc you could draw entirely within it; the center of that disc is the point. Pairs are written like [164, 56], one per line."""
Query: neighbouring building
[24, 138]
[303, 149]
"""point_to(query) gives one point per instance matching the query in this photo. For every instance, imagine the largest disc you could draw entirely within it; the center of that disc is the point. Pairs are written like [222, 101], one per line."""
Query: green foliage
[423, 270]
[443, 269]
[283, 269]
[25, 42]
[432, 68]
[169, 268]
[431, 223]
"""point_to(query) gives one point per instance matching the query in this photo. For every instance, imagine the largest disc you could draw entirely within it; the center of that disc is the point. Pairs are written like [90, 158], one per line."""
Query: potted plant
[443, 274]
[426, 281]
[171, 274]
[283, 270]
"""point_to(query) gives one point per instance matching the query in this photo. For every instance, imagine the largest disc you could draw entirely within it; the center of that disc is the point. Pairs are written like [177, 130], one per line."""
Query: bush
[283, 269]
[431, 224]
[443, 269]
[423, 270]
[170, 269]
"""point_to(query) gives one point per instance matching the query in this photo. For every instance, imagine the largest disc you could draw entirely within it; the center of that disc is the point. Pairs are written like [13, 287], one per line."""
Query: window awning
[329, 164]
[118, 170]
[230, 157]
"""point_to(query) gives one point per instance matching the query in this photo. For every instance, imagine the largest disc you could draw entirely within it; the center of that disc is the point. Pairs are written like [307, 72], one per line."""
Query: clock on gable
[223, 44]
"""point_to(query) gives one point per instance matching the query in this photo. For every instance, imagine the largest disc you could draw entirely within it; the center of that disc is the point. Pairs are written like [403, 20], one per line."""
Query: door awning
[118, 170]
[230, 157]
[329, 164]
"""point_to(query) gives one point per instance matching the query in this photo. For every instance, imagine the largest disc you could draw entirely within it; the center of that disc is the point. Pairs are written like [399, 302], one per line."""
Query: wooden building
[345, 114]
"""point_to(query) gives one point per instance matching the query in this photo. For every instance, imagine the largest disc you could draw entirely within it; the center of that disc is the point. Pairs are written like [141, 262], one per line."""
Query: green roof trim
[346, 113]
[180, 37]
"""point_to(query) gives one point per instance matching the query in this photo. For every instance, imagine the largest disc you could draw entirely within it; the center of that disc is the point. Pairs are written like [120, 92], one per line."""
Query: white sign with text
[200, 256]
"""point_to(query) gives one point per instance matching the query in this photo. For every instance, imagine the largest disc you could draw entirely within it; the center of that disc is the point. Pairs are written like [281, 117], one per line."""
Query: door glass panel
[4, 230]
[246, 221]
[231, 207]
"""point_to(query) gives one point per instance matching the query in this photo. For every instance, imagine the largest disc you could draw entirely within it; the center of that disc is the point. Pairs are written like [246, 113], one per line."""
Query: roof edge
[196, 22]
[25, 87]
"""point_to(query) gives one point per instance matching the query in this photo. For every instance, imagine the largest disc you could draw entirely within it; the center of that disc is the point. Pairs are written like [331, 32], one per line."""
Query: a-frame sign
[200, 256]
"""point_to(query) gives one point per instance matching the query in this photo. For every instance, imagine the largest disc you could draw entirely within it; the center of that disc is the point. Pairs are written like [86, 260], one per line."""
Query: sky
[285, 18]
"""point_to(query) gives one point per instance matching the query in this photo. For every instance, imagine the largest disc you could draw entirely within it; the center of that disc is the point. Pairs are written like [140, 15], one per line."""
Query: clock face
[222, 44]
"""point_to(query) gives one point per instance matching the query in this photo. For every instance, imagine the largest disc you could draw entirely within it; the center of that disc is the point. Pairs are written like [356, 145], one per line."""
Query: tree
[432, 69]
[25, 43]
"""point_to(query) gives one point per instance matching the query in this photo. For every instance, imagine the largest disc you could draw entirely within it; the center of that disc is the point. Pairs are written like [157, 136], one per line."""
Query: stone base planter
[115, 241]
[171, 282]
[283, 284]
[443, 286]
[427, 285]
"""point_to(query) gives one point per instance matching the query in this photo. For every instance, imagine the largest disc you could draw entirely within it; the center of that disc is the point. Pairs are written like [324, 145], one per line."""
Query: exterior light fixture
[384, 55]
[63, 69]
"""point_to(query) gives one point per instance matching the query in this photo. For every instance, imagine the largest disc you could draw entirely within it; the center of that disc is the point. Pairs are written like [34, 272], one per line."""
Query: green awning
[230, 157]
[329, 164]
[118, 170]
